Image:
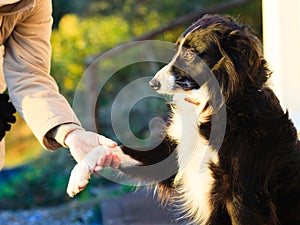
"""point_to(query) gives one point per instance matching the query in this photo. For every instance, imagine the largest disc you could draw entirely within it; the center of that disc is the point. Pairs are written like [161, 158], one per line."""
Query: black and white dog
[251, 176]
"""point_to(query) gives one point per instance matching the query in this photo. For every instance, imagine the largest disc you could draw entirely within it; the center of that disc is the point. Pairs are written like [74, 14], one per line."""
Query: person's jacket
[25, 38]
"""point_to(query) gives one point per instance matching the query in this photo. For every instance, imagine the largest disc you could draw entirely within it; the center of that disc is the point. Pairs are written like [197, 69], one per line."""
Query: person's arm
[35, 94]
[27, 72]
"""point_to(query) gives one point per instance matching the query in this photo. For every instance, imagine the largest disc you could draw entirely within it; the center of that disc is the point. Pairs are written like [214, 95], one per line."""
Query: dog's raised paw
[79, 178]
[81, 172]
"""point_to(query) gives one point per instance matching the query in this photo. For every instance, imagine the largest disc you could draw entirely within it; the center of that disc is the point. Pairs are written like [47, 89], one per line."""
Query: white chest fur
[194, 180]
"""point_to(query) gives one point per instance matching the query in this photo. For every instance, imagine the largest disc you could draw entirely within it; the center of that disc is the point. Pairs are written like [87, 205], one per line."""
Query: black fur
[257, 178]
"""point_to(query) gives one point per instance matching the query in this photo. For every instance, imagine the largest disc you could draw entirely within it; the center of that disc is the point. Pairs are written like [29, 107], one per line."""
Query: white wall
[281, 31]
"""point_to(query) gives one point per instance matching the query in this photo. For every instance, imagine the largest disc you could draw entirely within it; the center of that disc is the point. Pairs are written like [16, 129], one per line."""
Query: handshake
[92, 153]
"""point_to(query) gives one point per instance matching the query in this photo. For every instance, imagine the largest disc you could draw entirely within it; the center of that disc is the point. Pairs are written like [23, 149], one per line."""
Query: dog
[253, 176]
[237, 154]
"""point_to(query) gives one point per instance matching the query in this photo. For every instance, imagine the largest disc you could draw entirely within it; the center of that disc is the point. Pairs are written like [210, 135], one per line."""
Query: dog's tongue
[194, 101]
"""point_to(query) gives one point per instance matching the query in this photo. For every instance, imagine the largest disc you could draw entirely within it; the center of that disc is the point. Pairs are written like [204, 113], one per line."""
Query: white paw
[78, 179]
[81, 172]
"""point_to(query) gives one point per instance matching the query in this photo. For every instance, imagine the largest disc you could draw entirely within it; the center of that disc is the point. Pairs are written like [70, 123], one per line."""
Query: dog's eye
[188, 55]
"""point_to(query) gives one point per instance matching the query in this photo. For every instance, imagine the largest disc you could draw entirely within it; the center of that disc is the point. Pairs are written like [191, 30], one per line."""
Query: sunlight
[281, 31]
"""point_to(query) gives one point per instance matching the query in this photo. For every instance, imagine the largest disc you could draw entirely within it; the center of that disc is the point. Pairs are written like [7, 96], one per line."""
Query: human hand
[94, 161]
[6, 114]
[92, 152]
[80, 143]
[97, 158]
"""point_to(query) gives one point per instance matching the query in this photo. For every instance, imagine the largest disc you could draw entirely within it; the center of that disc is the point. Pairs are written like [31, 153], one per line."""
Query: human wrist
[70, 138]
[62, 131]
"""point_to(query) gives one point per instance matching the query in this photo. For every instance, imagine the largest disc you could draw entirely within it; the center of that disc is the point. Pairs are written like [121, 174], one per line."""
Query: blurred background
[82, 30]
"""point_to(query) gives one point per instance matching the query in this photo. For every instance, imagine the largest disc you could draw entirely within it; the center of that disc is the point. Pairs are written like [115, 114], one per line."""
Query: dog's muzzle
[155, 84]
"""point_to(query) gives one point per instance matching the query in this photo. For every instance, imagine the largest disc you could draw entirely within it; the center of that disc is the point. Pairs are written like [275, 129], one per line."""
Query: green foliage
[250, 14]
[43, 182]
[130, 10]
[76, 39]
[106, 24]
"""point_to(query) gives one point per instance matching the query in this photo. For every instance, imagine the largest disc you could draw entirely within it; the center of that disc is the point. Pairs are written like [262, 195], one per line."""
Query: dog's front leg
[153, 170]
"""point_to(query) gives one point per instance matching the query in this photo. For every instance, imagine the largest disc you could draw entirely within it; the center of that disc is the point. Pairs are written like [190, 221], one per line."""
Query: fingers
[125, 160]
[102, 162]
[94, 161]
[100, 157]
[108, 160]
[115, 161]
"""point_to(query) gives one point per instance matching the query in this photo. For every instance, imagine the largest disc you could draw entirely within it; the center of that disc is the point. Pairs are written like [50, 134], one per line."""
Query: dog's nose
[155, 84]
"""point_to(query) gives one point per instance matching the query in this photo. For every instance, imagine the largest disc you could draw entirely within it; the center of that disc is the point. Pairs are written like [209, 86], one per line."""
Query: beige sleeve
[59, 133]
[33, 91]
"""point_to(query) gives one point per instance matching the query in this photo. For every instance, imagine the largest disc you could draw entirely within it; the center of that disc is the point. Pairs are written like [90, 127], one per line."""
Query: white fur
[194, 180]
[166, 81]
[81, 172]
[165, 77]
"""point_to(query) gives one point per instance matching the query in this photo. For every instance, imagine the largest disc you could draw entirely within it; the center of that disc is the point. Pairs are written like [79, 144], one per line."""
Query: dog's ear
[227, 70]
[244, 50]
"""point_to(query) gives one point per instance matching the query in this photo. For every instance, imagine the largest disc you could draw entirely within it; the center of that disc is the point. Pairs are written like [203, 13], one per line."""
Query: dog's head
[214, 46]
